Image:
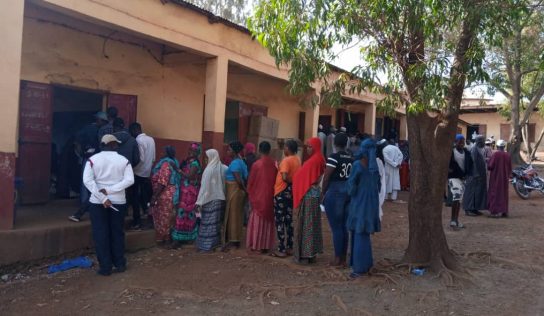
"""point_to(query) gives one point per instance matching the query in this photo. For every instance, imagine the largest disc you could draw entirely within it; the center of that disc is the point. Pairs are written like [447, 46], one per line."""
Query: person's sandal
[278, 254]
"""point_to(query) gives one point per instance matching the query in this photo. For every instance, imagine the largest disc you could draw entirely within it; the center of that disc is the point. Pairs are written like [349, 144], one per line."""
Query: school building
[184, 73]
[481, 116]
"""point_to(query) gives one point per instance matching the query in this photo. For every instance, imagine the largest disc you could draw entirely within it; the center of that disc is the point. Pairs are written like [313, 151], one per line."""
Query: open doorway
[72, 110]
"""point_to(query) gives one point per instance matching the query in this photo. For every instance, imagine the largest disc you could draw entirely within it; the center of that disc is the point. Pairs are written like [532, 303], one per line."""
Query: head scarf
[368, 151]
[173, 165]
[170, 152]
[236, 146]
[197, 148]
[249, 148]
[212, 186]
[309, 173]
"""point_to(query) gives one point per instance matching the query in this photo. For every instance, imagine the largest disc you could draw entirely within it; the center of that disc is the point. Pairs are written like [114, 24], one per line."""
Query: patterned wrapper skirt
[186, 228]
[308, 234]
[234, 213]
[209, 233]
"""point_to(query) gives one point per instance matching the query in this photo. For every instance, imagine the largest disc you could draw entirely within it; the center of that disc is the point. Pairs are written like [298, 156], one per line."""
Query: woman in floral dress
[186, 226]
[166, 182]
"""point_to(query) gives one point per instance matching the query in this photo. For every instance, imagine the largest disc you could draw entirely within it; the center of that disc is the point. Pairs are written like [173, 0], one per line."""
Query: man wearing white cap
[393, 159]
[106, 176]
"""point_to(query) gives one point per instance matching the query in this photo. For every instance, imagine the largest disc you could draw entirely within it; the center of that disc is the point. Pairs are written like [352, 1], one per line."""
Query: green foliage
[517, 60]
[409, 42]
[232, 10]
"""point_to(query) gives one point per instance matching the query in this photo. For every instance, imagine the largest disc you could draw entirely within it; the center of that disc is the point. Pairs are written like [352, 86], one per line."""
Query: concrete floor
[43, 231]
[52, 214]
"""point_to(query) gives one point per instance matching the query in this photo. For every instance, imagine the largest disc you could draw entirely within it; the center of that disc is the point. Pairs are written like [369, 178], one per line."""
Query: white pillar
[216, 94]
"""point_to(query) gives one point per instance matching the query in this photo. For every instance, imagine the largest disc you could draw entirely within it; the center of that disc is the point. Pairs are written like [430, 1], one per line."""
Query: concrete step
[22, 245]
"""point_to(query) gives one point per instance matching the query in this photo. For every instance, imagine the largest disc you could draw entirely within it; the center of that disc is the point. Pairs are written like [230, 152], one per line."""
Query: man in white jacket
[106, 176]
[393, 159]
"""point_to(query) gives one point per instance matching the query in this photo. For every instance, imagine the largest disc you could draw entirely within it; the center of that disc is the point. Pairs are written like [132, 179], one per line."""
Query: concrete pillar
[310, 125]
[215, 104]
[11, 32]
[370, 119]
[403, 133]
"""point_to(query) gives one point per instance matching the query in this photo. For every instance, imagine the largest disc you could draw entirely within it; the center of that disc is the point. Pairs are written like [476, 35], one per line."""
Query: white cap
[381, 142]
[108, 138]
[343, 129]
[320, 126]
[501, 143]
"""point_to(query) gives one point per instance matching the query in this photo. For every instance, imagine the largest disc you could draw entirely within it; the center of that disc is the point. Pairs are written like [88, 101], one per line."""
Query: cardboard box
[263, 126]
[257, 140]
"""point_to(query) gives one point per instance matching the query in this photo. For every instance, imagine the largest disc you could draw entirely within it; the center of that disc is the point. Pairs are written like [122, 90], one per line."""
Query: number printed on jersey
[345, 170]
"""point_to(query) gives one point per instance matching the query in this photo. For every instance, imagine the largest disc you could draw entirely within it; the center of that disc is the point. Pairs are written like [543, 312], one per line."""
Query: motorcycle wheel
[521, 191]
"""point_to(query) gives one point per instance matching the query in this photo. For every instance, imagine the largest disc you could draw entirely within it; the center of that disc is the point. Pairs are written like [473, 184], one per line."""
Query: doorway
[237, 118]
[49, 118]
[72, 110]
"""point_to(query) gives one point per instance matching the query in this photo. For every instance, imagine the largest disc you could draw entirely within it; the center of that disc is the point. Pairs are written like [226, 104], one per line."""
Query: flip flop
[278, 254]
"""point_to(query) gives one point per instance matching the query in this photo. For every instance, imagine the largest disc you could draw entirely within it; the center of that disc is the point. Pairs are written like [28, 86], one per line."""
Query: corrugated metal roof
[212, 18]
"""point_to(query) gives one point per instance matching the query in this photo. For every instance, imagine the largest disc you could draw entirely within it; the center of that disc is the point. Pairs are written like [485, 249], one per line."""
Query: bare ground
[503, 257]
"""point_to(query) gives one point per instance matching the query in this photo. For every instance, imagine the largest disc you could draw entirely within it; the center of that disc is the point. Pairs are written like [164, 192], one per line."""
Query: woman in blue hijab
[363, 214]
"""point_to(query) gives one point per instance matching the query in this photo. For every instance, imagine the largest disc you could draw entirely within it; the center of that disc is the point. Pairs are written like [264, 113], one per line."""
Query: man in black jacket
[128, 147]
[460, 166]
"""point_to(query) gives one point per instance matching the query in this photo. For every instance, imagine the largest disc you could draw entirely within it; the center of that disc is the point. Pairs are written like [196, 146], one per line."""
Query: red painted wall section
[181, 146]
[7, 174]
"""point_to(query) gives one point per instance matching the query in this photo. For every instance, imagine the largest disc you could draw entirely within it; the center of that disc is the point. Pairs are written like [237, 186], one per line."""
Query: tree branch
[533, 103]
[537, 144]
[528, 71]
[458, 72]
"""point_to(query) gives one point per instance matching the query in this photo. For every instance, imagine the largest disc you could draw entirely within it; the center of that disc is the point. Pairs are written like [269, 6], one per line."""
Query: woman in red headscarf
[307, 213]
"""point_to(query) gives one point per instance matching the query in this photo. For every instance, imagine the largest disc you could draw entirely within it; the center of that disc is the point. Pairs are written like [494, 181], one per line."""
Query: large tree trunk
[429, 158]
[431, 141]
[516, 140]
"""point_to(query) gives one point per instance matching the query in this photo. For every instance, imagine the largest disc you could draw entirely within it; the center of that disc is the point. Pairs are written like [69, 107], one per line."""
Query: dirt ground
[503, 256]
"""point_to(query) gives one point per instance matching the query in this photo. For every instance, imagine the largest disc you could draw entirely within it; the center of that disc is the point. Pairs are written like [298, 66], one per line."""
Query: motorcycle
[525, 179]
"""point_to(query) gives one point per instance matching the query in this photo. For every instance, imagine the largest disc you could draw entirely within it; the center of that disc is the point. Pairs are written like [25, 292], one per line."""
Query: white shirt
[146, 145]
[392, 156]
[109, 171]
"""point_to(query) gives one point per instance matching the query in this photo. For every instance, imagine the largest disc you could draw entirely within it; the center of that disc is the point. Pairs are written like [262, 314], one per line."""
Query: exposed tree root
[267, 291]
[338, 301]
[387, 277]
[482, 255]
[451, 276]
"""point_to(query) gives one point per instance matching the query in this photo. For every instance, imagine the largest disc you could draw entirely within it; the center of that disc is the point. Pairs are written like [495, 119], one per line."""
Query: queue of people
[191, 203]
